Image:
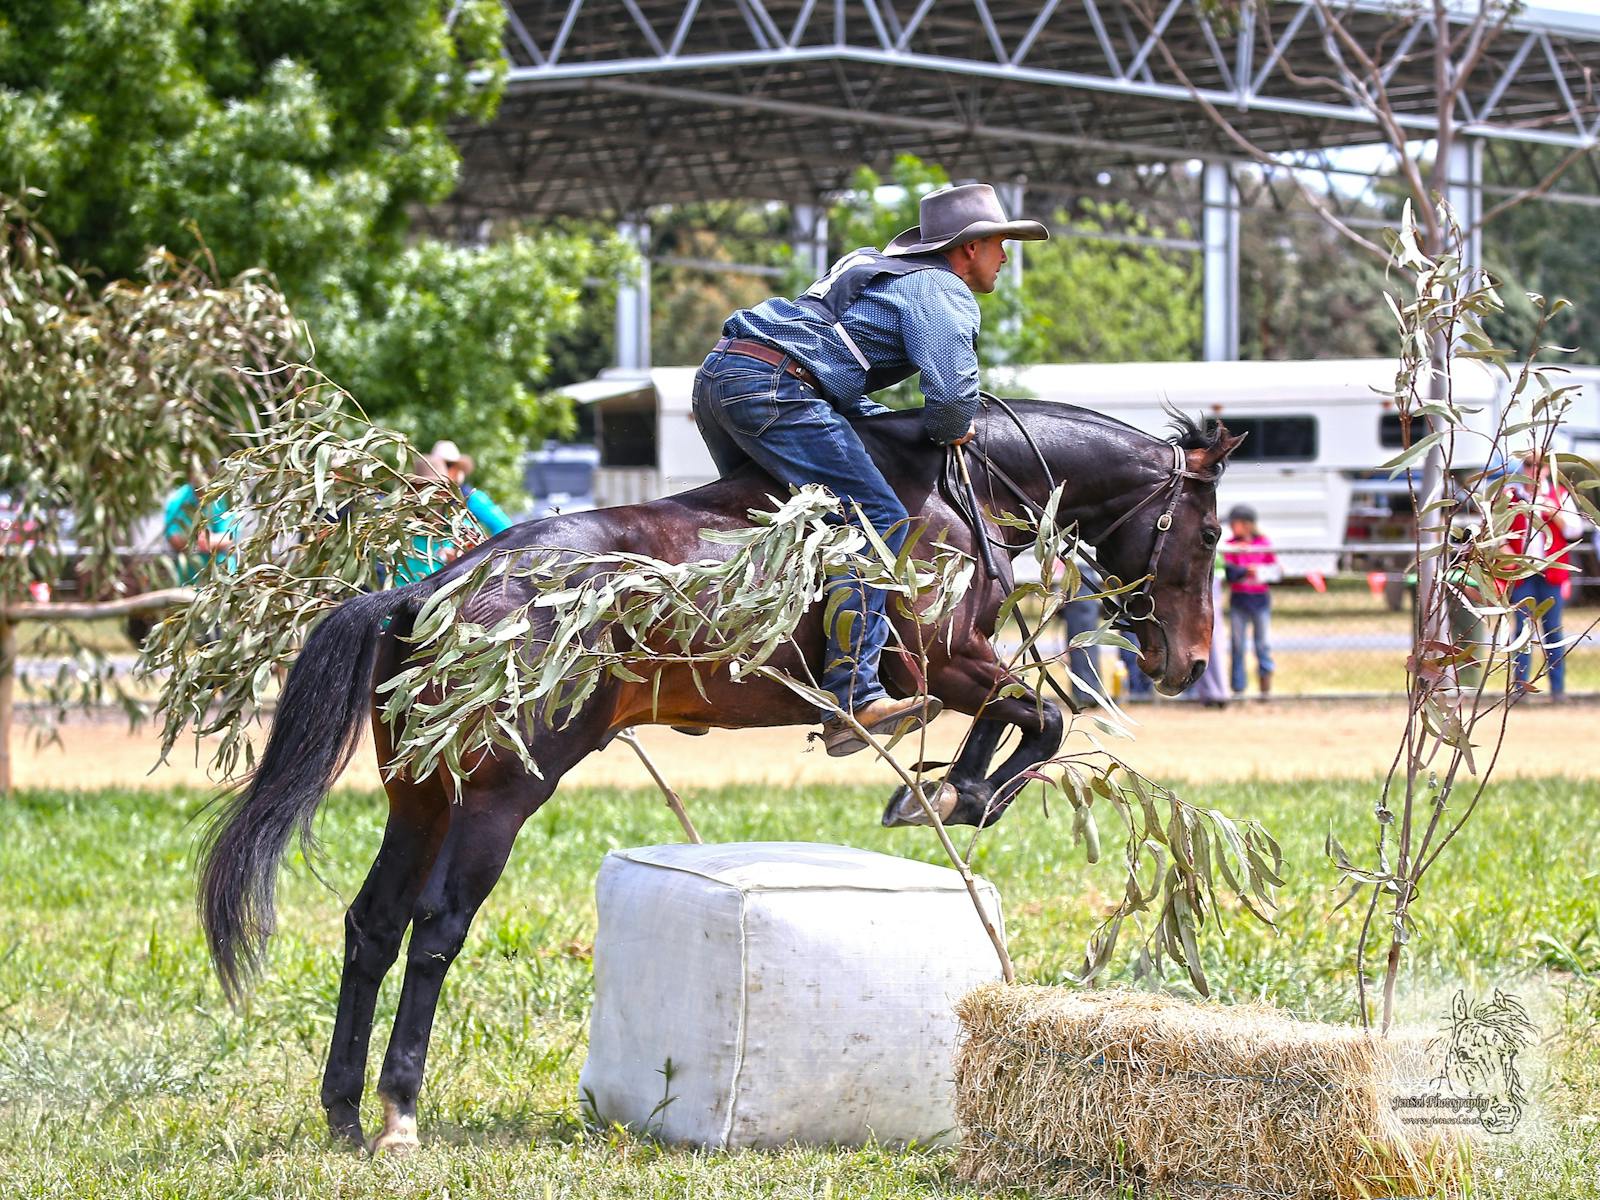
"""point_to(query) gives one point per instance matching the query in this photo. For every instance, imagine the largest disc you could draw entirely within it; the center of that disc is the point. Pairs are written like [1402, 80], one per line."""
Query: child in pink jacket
[1250, 565]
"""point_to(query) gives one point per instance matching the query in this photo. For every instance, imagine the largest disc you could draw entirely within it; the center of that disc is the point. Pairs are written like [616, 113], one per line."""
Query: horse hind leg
[483, 826]
[375, 924]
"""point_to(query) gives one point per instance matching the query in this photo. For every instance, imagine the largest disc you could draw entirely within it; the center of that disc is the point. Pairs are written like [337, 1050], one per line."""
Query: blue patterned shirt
[928, 320]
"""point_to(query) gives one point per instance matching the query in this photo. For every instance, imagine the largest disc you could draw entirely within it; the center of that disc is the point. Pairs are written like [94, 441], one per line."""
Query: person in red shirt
[1249, 566]
[1544, 533]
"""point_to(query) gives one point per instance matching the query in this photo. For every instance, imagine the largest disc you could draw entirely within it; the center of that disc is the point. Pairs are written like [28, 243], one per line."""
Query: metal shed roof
[615, 105]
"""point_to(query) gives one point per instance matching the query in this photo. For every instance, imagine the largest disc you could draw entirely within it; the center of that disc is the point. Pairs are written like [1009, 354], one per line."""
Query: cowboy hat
[953, 216]
[446, 452]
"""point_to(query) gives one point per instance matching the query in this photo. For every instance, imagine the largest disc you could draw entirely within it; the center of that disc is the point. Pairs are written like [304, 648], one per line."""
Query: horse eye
[1209, 537]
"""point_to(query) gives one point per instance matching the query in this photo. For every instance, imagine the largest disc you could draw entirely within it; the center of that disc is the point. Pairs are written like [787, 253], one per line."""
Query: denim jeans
[1250, 618]
[749, 410]
[1082, 616]
[1211, 687]
[1533, 591]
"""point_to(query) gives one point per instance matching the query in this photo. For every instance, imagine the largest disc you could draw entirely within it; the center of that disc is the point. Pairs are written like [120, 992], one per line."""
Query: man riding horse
[787, 376]
[778, 392]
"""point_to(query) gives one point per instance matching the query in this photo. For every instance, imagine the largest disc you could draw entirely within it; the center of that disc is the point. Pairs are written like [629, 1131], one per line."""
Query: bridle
[1126, 605]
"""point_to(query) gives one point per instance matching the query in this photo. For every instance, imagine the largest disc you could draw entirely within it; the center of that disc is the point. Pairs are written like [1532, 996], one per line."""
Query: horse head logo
[1480, 1058]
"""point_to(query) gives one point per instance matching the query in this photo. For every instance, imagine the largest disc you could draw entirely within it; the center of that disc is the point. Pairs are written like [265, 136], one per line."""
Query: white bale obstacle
[802, 993]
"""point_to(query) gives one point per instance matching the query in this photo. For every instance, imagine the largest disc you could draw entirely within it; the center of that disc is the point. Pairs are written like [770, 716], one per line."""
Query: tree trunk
[8, 671]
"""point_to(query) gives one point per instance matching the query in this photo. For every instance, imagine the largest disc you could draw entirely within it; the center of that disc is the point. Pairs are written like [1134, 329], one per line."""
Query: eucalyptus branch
[323, 505]
[1461, 671]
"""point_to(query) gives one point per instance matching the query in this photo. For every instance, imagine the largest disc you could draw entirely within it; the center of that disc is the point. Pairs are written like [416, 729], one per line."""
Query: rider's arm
[939, 326]
[490, 515]
[1565, 515]
[861, 406]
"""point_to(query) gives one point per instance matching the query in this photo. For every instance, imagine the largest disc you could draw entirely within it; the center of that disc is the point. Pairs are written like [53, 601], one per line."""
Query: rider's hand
[972, 432]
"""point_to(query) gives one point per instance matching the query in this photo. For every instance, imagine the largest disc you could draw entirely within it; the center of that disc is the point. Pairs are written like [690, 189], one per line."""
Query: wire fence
[1349, 633]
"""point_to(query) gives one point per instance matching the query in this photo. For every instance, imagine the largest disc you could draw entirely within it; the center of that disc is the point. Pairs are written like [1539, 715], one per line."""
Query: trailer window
[1274, 439]
[1390, 436]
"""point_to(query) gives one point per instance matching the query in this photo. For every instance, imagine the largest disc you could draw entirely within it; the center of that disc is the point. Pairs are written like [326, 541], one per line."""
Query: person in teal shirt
[446, 461]
[195, 540]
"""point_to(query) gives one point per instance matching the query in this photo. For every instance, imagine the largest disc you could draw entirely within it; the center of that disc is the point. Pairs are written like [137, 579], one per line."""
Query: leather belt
[769, 354]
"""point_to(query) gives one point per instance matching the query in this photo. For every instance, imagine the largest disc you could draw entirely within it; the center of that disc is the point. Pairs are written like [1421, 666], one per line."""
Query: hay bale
[1099, 1092]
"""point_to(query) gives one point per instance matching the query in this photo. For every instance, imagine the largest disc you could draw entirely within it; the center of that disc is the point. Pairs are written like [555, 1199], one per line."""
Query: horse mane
[1193, 432]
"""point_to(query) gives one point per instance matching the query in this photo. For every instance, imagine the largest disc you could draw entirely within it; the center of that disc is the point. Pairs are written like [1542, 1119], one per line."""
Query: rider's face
[988, 256]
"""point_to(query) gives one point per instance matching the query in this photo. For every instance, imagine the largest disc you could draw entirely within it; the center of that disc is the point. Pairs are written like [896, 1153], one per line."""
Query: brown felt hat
[953, 216]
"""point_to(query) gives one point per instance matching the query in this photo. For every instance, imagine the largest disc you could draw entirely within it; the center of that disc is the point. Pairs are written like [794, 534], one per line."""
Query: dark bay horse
[1147, 505]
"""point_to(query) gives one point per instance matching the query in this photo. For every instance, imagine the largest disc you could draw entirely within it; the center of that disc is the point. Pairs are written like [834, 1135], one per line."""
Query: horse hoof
[396, 1143]
[399, 1136]
[347, 1133]
[903, 808]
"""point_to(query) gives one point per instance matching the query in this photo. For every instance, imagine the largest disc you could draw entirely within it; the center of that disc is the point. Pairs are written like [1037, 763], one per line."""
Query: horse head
[1166, 535]
[1480, 1057]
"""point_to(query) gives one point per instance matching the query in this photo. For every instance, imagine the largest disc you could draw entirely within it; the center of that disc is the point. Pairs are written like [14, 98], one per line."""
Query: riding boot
[1264, 678]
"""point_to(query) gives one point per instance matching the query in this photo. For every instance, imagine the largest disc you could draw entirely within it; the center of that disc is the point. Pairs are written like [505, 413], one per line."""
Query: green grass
[122, 1073]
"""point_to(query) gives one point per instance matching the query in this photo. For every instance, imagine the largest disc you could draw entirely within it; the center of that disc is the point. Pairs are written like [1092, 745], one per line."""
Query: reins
[965, 500]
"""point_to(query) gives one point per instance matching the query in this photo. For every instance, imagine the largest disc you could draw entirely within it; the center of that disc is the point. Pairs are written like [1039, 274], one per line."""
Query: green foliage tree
[298, 139]
[873, 209]
[452, 342]
[296, 136]
[1082, 299]
[1085, 300]
[1548, 248]
[690, 304]
[1305, 293]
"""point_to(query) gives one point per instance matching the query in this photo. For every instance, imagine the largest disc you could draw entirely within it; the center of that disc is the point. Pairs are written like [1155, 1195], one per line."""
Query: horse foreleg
[969, 683]
[374, 926]
[1042, 729]
[967, 771]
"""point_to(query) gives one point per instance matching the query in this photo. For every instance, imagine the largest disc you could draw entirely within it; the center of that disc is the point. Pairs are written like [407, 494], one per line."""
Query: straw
[1117, 1093]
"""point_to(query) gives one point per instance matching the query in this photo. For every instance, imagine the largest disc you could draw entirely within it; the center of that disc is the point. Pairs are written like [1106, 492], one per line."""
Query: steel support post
[1220, 237]
[1465, 188]
[633, 301]
[1013, 196]
[810, 237]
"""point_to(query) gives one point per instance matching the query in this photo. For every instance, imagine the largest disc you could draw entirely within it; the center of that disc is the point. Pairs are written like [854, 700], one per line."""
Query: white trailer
[1318, 432]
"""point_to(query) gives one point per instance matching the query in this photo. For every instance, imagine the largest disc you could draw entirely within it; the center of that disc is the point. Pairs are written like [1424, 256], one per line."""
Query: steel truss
[614, 105]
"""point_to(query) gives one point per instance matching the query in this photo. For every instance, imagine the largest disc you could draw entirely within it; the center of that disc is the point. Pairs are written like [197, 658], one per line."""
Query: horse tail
[316, 730]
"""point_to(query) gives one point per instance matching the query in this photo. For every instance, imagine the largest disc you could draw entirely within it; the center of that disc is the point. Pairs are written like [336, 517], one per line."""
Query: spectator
[1140, 689]
[1250, 566]
[428, 554]
[1211, 689]
[1543, 533]
[1082, 615]
[446, 462]
[456, 466]
[1469, 629]
[194, 540]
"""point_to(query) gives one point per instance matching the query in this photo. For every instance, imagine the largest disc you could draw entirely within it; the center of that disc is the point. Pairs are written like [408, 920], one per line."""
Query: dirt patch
[1279, 741]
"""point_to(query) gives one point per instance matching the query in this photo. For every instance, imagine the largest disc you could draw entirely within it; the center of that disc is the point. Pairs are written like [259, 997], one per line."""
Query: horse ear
[1458, 1010]
[1219, 450]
